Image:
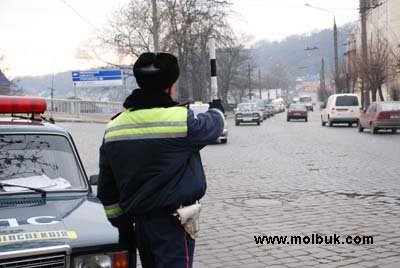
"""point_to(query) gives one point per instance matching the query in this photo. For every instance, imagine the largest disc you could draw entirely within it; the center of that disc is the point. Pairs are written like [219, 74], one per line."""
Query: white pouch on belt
[189, 217]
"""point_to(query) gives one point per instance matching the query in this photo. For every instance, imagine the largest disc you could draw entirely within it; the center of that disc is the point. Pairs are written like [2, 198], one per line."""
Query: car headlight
[102, 260]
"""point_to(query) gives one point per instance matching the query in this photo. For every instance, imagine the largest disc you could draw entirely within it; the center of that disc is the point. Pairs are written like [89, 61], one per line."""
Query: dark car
[247, 113]
[49, 216]
[380, 115]
[297, 111]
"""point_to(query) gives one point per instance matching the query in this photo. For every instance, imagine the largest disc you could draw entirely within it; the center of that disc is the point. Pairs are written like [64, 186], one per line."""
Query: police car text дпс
[48, 214]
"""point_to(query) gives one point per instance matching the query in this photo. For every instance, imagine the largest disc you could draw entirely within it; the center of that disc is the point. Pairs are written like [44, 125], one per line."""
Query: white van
[341, 108]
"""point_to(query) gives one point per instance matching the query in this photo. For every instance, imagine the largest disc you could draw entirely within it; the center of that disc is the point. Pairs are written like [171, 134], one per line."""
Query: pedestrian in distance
[151, 175]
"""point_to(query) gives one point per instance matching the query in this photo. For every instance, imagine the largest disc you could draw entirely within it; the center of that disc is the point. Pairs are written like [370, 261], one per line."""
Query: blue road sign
[97, 78]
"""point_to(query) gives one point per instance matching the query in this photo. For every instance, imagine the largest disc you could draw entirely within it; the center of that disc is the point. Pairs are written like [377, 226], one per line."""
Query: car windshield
[305, 99]
[346, 101]
[390, 107]
[247, 107]
[39, 161]
[297, 107]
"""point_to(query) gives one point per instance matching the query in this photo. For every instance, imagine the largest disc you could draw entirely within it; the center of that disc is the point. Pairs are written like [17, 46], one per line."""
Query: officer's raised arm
[205, 128]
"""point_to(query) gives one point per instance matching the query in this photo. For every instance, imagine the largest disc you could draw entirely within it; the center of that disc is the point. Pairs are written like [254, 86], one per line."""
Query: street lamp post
[335, 40]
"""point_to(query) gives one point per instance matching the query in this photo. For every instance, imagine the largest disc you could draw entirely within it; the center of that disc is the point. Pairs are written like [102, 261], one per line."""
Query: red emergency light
[22, 104]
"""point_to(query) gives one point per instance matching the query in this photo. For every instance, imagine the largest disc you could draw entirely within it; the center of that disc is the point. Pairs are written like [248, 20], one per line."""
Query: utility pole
[155, 26]
[322, 81]
[249, 76]
[335, 44]
[364, 51]
[259, 82]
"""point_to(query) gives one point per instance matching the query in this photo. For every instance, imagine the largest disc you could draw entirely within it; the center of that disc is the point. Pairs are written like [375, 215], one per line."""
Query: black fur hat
[156, 71]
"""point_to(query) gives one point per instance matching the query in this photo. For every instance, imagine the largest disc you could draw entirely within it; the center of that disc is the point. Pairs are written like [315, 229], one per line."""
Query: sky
[42, 36]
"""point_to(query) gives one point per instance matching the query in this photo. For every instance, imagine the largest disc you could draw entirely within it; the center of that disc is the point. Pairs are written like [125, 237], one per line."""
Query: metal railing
[81, 107]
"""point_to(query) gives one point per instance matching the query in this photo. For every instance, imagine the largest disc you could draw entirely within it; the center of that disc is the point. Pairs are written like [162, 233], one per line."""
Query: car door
[370, 115]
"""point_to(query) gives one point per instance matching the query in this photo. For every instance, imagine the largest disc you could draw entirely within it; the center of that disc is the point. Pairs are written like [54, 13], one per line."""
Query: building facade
[383, 27]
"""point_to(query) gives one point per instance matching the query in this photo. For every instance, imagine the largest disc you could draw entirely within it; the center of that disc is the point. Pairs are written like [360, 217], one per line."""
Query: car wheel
[258, 123]
[287, 119]
[306, 119]
[322, 122]
[374, 129]
[394, 131]
[237, 123]
[350, 124]
[224, 141]
[360, 128]
[330, 123]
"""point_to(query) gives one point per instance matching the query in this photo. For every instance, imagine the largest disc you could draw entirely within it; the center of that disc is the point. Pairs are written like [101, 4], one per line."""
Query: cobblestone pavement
[296, 178]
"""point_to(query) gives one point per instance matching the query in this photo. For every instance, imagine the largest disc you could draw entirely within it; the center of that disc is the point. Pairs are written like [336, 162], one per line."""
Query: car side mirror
[94, 179]
[323, 106]
[234, 109]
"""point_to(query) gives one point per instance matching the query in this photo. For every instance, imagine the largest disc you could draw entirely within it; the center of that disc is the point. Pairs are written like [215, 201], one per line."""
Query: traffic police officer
[150, 163]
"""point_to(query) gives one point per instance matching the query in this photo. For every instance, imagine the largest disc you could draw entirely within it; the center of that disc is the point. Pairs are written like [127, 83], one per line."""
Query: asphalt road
[288, 179]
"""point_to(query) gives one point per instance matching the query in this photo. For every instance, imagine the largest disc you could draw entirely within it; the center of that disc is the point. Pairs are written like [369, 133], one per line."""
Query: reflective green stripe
[114, 212]
[146, 136]
[150, 132]
[155, 115]
[148, 124]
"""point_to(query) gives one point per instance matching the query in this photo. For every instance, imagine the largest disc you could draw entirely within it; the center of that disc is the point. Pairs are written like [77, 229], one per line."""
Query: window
[300, 107]
[305, 99]
[23, 157]
[371, 108]
[347, 101]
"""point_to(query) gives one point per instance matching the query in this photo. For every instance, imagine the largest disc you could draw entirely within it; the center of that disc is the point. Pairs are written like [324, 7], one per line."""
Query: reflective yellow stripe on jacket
[148, 124]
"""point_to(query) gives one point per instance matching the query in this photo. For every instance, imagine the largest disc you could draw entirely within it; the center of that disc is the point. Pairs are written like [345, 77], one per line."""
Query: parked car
[380, 115]
[263, 109]
[270, 109]
[49, 215]
[307, 101]
[200, 107]
[279, 105]
[297, 111]
[247, 113]
[341, 108]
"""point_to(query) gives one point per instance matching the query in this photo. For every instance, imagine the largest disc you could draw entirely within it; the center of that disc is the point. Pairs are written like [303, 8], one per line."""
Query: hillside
[291, 51]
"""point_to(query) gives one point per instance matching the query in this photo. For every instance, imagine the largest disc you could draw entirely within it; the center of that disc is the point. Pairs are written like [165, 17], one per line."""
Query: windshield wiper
[38, 190]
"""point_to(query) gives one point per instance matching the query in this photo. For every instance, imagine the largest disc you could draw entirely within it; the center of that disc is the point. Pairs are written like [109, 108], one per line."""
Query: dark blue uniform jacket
[144, 175]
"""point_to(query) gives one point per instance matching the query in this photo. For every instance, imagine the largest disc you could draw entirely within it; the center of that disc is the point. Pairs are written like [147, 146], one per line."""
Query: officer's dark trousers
[162, 241]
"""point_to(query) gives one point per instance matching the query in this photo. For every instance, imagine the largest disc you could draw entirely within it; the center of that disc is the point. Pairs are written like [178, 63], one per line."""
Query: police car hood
[79, 222]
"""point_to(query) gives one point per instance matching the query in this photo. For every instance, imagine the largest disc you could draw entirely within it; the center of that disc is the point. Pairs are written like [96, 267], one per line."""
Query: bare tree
[232, 64]
[12, 88]
[184, 29]
[278, 77]
[375, 69]
[341, 80]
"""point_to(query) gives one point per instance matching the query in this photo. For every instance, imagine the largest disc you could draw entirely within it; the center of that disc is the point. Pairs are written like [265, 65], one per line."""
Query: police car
[48, 214]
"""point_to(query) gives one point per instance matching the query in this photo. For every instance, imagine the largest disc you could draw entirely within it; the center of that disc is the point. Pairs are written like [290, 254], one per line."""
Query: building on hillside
[5, 85]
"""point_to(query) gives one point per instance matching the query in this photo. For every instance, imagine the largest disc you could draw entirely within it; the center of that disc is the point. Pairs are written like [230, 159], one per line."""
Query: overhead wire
[78, 14]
